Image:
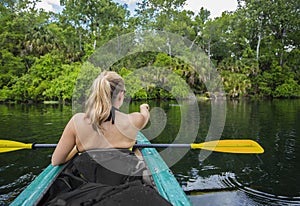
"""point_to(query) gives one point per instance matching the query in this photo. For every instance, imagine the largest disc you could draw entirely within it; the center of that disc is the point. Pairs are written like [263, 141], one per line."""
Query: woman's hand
[144, 111]
[145, 106]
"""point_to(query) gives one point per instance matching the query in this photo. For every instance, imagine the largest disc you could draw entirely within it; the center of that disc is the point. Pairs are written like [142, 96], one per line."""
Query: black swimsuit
[112, 115]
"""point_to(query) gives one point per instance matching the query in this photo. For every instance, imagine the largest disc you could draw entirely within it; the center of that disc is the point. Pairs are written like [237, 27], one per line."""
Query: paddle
[228, 146]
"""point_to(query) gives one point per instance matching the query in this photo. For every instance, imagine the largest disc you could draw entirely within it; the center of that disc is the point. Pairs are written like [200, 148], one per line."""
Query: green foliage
[47, 79]
[10, 68]
[288, 89]
[255, 49]
[235, 84]
[279, 82]
[62, 86]
[156, 83]
[87, 72]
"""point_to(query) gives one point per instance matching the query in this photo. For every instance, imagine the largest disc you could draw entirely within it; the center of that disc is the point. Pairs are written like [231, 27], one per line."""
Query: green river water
[218, 179]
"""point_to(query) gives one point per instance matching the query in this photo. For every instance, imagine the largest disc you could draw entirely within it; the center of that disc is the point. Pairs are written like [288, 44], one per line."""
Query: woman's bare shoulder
[79, 115]
[80, 118]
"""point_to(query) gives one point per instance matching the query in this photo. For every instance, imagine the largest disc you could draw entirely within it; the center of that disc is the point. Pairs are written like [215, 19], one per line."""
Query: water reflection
[220, 179]
[27, 123]
[224, 189]
[268, 179]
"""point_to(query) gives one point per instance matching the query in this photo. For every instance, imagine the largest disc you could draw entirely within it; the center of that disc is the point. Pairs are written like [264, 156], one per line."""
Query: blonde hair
[104, 91]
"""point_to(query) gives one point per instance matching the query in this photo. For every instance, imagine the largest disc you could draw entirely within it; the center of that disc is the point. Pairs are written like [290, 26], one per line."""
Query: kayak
[163, 179]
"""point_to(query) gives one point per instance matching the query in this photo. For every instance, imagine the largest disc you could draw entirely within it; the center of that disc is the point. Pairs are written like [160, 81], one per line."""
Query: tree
[274, 28]
[255, 48]
[95, 19]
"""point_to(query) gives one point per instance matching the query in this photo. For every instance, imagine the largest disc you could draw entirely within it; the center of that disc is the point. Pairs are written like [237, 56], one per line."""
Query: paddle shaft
[35, 146]
[162, 146]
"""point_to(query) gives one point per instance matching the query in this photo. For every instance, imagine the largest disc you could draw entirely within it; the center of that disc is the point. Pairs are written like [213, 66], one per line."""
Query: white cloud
[129, 2]
[49, 5]
[216, 7]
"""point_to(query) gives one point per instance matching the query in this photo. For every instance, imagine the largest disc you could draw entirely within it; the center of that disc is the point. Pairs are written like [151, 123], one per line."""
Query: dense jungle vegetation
[255, 48]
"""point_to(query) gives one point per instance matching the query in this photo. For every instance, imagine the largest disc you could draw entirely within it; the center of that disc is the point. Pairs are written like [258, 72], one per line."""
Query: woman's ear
[120, 95]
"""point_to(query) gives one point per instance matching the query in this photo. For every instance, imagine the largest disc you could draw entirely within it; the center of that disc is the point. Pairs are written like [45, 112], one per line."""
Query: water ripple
[227, 182]
[14, 187]
[260, 196]
[211, 183]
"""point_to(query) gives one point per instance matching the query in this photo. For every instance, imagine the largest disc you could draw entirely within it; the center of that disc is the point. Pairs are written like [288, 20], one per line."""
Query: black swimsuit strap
[112, 115]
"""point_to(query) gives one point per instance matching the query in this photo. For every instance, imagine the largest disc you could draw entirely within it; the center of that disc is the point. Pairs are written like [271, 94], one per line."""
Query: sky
[50, 5]
[216, 7]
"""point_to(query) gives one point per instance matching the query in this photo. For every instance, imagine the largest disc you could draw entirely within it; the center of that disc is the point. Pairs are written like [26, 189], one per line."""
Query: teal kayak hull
[164, 180]
[38, 187]
[166, 183]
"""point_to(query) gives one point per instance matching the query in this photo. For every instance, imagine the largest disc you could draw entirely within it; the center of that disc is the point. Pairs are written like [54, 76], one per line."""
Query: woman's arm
[140, 119]
[144, 111]
[66, 145]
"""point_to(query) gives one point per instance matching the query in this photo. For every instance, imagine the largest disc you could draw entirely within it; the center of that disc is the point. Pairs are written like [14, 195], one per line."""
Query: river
[219, 179]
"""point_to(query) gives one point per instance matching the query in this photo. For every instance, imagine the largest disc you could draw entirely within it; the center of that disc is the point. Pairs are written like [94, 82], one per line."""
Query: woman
[102, 125]
[102, 174]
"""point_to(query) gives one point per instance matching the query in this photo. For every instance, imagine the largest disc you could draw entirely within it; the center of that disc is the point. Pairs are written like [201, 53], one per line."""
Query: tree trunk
[282, 51]
[258, 45]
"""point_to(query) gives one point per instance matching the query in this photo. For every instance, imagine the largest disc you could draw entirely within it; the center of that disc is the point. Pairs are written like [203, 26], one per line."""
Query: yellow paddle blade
[231, 146]
[8, 146]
